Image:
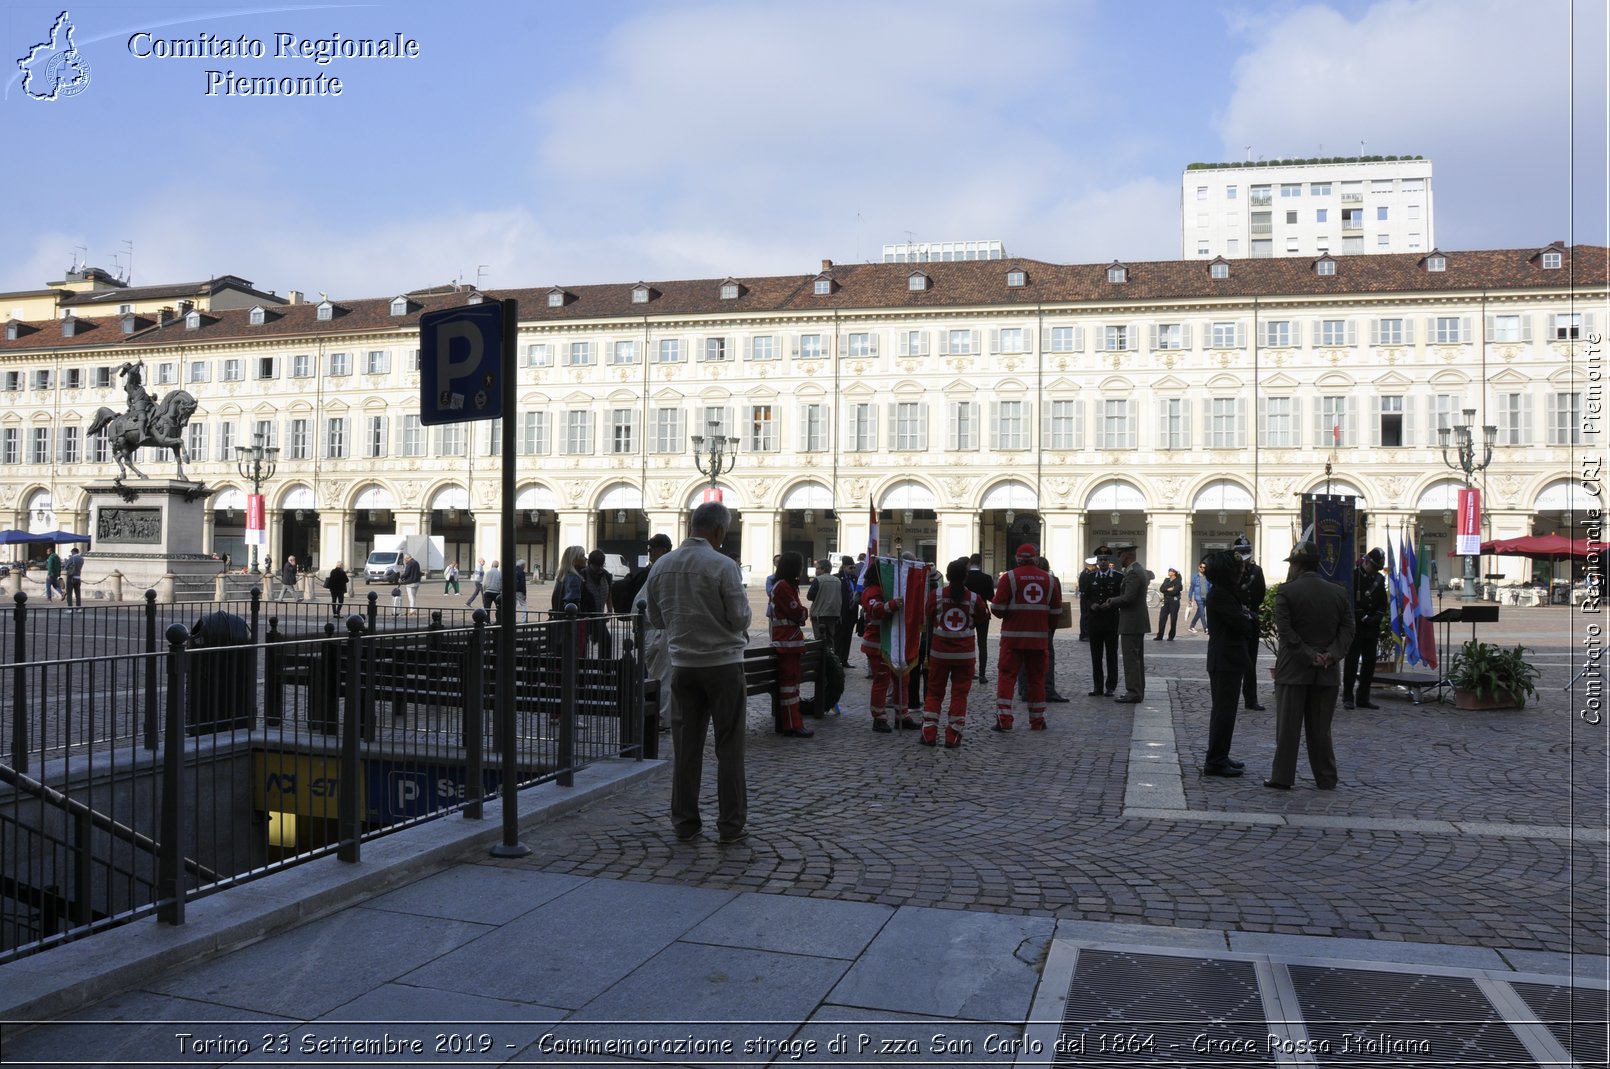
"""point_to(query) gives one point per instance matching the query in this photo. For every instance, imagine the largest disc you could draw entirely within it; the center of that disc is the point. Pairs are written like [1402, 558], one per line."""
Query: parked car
[383, 566]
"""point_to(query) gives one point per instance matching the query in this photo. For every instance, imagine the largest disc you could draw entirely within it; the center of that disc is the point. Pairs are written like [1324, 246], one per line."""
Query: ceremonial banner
[871, 550]
[902, 632]
[1427, 644]
[256, 529]
[1331, 518]
[1408, 594]
[1468, 542]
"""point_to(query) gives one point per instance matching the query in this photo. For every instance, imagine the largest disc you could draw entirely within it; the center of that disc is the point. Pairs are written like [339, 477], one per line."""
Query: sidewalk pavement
[1077, 895]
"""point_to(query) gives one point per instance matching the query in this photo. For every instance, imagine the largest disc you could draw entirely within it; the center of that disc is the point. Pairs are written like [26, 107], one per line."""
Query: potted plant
[1387, 646]
[1266, 622]
[1485, 676]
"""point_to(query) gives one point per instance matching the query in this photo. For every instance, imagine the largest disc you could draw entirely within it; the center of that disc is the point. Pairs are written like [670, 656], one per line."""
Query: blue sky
[537, 143]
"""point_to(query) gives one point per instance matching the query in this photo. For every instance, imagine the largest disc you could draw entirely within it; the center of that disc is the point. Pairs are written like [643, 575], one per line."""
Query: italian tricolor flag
[902, 632]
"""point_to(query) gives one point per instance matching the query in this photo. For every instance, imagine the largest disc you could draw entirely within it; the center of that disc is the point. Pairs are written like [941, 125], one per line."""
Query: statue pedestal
[150, 530]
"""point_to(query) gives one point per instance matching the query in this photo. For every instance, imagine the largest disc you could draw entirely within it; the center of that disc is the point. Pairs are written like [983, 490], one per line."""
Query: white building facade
[975, 404]
[1346, 207]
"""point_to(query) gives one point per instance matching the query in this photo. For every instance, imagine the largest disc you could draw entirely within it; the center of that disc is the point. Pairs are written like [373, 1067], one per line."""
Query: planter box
[1467, 699]
[1386, 666]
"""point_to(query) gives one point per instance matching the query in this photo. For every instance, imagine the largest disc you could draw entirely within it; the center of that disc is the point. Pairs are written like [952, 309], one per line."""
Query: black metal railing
[131, 783]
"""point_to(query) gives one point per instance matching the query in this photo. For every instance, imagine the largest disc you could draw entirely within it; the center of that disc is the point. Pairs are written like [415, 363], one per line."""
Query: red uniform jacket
[1027, 599]
[787, 614]
[876, 611]
[954, 622]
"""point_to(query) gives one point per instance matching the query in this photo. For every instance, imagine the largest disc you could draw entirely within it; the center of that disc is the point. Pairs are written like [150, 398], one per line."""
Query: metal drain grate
[1366, 1017]
[1576, 1015]
[1128, 1009]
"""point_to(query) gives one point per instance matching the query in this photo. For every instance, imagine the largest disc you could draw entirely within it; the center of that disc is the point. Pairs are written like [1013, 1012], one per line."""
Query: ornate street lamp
[256, 463]
[1464, 442]
[715, 454]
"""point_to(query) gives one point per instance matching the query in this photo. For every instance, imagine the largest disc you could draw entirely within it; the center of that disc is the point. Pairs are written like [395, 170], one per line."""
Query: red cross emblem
[954, 619]
[1033, 593]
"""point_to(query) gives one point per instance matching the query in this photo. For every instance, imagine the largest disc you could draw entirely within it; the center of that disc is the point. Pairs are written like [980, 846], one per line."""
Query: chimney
[294, 297]
[164, 314]
[827, 265]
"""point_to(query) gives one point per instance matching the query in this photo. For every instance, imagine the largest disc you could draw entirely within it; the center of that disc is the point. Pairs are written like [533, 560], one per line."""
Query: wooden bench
[760, 676]
[1415, 683]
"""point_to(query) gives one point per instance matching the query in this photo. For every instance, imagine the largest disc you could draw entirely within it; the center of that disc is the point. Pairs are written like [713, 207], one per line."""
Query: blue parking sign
[461, 363]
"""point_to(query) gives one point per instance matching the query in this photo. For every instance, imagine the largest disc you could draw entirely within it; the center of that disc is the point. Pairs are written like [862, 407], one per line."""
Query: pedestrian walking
[288, 580]
[450, 579]
[336, 583]
[519, 591]
[73, 572]
[412, 576]
[492, 589]
[696, 596]
[1315, 624]
[52, 574]
[1197, 597]
[477, 581]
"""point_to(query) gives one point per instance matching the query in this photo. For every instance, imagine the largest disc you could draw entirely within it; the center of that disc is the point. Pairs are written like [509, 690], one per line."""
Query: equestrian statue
[145, 423]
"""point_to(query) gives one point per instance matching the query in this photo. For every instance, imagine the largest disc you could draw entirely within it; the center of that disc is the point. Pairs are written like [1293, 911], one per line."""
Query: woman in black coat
[1169, 614]
[336, 584]
[1230, 628]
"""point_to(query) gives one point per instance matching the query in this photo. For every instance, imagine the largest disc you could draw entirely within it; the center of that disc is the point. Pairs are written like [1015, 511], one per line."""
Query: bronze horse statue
[165, 431]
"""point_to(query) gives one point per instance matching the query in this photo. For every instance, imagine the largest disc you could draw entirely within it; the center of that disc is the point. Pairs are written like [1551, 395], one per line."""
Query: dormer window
[1218, 269]
[326, 311]
[917, 281]
[258, 316]
[1552, 261]
[192, 320]
[640, 294]
[1117, 274]
[1436, 262]
[128, 323]
[1324, 266]
[1017, 277]
[556, 298]
[474, 298]
[822, 287]
[13, 330]
[730, 290]
[399, 306]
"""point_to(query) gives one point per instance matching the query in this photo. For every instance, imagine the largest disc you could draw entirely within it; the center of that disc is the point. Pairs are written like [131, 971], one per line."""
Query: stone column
[670, 522]
[1168, 541]
[958, 531]
[760, 541]
[576, 527]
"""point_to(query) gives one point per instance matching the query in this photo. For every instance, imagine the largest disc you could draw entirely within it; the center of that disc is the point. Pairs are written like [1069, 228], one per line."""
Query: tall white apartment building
[1344, 206]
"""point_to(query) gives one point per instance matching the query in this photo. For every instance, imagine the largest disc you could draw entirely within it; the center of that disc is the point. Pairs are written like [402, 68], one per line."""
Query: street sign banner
[461, 363]
[256, 529]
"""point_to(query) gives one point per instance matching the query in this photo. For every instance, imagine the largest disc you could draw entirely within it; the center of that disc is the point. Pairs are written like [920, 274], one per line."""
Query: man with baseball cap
[1315, 625]
[1026, 599]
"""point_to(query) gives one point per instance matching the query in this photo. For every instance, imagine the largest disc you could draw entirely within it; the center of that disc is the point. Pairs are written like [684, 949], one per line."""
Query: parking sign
[461, 363]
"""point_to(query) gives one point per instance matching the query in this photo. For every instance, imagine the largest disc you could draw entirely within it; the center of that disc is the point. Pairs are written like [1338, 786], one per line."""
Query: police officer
[1250, 590]
[1369, 605]
[1096, 589]
[1025, 600]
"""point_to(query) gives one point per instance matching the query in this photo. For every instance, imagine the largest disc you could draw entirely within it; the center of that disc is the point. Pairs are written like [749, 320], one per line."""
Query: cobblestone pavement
[1025, 823]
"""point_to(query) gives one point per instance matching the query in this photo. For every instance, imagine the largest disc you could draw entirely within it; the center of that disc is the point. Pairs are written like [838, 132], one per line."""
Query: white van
[383, 566]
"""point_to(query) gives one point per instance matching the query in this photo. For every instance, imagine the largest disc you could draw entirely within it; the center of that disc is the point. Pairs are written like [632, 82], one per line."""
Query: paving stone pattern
[1033, 823]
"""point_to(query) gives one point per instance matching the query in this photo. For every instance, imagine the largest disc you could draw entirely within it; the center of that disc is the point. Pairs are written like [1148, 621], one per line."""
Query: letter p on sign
[460, 363]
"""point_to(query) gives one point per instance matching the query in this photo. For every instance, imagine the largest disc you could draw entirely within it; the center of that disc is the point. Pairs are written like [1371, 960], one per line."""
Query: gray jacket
[1134, 618]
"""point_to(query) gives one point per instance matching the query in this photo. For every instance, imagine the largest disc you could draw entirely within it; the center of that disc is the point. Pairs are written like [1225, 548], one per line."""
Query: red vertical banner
[712, 493]
[256, 529]
[1468, 541]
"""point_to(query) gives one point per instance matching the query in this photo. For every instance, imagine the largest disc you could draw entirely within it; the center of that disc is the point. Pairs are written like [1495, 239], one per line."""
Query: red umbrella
[1536, 546]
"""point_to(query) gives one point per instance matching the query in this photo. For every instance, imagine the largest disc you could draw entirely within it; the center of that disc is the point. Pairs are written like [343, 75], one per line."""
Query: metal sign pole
[511, 845]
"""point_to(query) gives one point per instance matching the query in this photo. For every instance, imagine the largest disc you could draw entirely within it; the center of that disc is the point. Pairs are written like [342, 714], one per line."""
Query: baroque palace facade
[976, 404]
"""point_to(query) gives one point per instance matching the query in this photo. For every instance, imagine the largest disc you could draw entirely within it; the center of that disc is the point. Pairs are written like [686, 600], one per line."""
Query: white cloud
[1480, 87]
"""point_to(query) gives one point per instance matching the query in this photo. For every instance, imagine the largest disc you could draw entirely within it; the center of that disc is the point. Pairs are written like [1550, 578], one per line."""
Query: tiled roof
[874, 288]
[129, 294]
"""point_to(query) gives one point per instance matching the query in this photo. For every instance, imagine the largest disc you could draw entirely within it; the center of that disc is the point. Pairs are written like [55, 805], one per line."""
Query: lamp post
[1464, 459]
[256, 463]
[714, 455]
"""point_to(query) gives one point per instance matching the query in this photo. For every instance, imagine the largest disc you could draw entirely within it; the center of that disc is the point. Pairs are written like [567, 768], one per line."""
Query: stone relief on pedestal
[488, 493]
[663, 489]
[957, 486]
[1394, 485]
[1061, 487]
[1277, 489]
[1508, 486]
[1169, 489]
[333, 493]
[762, 487]
[858, 489]
[574, 489]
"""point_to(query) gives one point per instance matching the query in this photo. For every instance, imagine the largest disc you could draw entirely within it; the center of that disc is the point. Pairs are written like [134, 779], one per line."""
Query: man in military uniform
[1315, 625]
[1096, 589]
[140, 400]
[1251, 591]
[1134, 621]
[1369, 605]
[1025, 599]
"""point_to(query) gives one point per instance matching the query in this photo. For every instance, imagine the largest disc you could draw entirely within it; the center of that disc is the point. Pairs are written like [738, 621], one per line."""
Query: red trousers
[885, 687]
[788, 673]
[1013, 661]
[960, 676]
